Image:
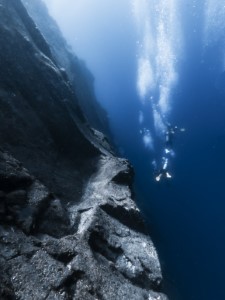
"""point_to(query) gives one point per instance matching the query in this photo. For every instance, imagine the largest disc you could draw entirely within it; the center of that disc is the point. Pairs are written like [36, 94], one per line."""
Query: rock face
[73, 68]
[94, 249]
[69, 228]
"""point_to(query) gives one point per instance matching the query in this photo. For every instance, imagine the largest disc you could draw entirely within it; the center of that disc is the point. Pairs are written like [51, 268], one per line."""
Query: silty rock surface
[94, 249]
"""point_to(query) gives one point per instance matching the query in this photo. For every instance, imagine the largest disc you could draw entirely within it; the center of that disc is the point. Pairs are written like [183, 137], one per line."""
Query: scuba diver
[168, 149]
[170, 133]
[163, 173]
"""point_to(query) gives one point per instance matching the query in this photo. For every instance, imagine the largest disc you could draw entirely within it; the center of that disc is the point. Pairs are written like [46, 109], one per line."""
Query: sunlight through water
[159, 47]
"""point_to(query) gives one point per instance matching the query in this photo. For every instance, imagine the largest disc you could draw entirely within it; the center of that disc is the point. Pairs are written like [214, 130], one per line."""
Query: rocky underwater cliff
[69, 227]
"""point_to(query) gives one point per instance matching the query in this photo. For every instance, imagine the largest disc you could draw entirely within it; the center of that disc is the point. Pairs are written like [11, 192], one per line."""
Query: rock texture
[69, 228]
[94, 249]
[39, 114]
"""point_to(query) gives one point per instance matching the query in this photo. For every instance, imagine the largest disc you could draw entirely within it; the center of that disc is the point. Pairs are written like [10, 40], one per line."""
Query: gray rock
[16, 197]
[80, 251]
[72, 69]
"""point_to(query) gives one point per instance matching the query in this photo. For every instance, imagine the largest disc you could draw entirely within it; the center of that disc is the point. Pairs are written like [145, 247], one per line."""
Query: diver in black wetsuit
[170, 132]
[163, 173]
[169, 137]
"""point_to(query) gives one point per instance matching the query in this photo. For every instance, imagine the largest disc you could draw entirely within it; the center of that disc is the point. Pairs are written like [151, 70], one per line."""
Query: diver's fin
[168, 175]
[158, 177]
[167, 150]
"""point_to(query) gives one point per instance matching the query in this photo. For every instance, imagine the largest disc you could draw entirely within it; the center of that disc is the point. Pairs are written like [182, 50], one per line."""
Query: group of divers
[163, 172]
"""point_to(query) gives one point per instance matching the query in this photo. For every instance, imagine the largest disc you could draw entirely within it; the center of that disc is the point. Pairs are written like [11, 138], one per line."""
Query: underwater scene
[159, 72]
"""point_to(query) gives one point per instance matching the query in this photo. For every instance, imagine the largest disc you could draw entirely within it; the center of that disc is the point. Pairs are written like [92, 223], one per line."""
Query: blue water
[185, 215]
